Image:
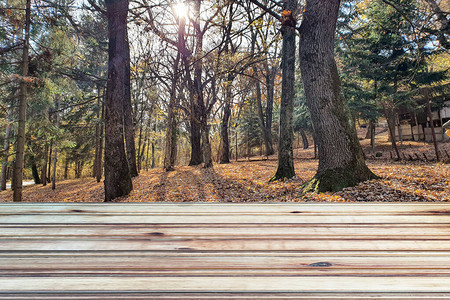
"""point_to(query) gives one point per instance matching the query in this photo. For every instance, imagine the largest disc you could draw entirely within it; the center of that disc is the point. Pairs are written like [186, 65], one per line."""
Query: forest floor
[247, 181]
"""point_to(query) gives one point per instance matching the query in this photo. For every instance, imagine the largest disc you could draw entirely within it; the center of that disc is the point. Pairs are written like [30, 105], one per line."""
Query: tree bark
[430, 117]
[141, 156]
[341, 160]
[194, 122]
[195, 137]
[97, 135]
[304, 139]
[399, 128]
[34, 170]
[371, 134]
[66, 169]
[267, 137]
[55, 154]
[44, 166]
[236, 144]
[128, 113]
[198, 87]
[99, 172]
[225, 137]
[49, 166]
[206, 145]
[171, 137]
[285, 146]
[147, 156]
[20, 142]
[117, 174]
[6, 149]
[153, 155]
[270, 82]
[390, 118]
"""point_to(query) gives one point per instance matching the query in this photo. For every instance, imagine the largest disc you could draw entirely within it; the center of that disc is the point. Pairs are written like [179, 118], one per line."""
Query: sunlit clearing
[181, 10]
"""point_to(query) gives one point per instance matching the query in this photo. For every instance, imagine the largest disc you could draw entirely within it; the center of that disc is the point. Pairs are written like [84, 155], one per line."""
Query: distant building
[416, 125]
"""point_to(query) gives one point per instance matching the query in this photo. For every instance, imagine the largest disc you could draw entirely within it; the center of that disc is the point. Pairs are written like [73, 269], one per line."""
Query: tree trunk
[97, 134]
[390, 118]
[139, 146]
[171, 138]
[117, 174]
[267, 137]
[225, 138]
[35, 173]
[141, 156]
[44, 166]
[417, 124]
[399, 128]
[20, 142]
[430, 116]
[34, 170]
[94, 167]
[128, 113]
[99, 172]
[236, 145]
[369, 129]
[49, 166]
[341, 160]
[147, 156]
[315, 146]
[153, 155]
[6, 149]
[371, 134]
[411, 128]
[195, 138]
[372, 138]
[198, 87]
[270, 82]
[286, 140]
[304, 139]
[55, 155]
[195, 134]
[66, 169]
[207, 153]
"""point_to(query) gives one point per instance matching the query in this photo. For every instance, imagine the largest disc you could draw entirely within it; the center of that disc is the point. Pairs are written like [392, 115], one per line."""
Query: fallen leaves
[247, 181]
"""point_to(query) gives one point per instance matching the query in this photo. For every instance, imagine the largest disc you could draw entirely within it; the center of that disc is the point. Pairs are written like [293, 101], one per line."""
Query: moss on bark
[334, 180]
[283, 172]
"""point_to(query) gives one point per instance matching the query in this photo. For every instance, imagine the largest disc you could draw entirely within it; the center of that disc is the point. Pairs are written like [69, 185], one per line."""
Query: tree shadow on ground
[180, 186]
[230, 190]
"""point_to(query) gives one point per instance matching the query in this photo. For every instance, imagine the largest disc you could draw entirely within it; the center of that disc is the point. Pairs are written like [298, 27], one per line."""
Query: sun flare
[181, 10]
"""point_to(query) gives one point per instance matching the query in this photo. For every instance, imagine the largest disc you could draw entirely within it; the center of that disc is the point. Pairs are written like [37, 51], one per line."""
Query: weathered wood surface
[207, 251]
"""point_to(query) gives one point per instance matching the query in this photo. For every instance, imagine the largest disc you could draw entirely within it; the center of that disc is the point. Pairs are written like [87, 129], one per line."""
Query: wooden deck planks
[204, 251]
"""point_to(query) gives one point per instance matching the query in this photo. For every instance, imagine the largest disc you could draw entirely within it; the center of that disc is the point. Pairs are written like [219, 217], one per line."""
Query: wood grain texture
[216, 251]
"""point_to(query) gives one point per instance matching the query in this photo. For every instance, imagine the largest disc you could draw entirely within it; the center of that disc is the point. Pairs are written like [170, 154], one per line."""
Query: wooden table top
[210, 251]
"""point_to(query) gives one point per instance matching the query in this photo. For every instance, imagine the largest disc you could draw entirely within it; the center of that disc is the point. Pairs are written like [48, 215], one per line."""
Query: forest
[228, 101]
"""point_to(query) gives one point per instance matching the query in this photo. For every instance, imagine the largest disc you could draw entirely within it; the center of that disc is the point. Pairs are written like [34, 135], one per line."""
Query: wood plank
[213, 295]
[270, 260]
[224, 244]
[190, 251]
[300, 284]
[223, 219]
[392, 231]
[222, 208]
[119, 273]
[182, 253]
